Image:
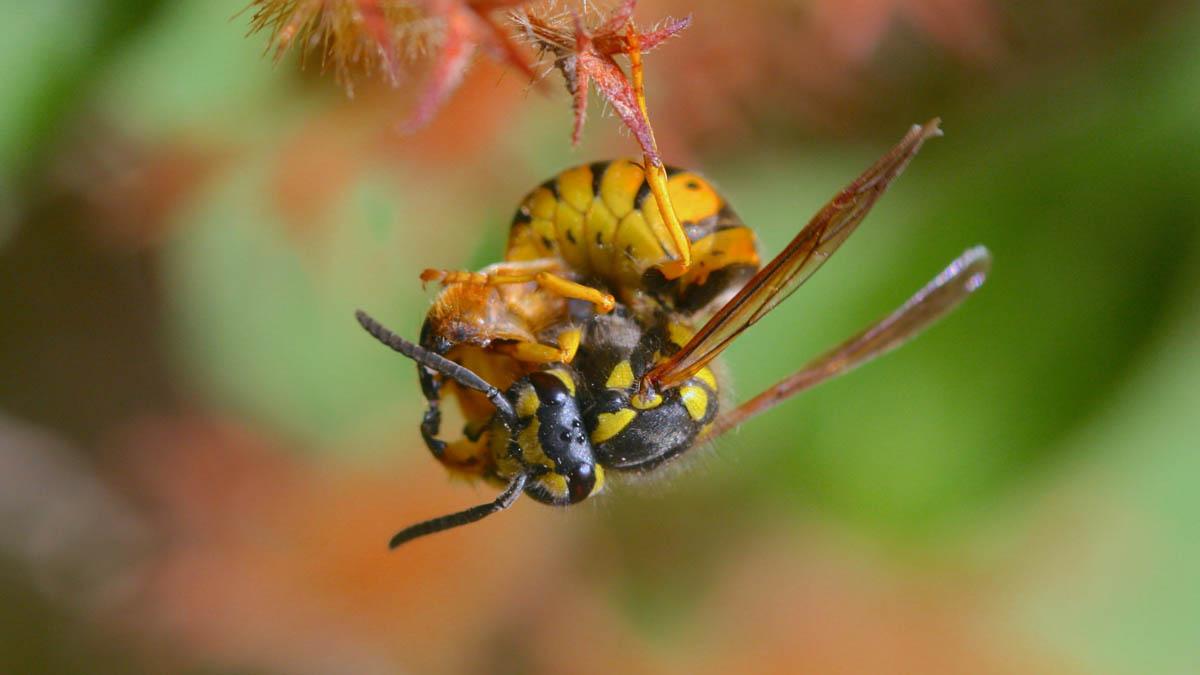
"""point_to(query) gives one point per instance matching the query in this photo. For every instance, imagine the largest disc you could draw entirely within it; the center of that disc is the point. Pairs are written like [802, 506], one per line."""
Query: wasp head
[550, 442]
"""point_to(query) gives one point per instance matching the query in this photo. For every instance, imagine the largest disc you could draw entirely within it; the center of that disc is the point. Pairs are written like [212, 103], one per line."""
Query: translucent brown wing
[791, 268]
[936, 299]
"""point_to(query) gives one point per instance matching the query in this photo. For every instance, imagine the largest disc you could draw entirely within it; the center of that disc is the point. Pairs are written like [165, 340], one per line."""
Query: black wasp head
[553, 444]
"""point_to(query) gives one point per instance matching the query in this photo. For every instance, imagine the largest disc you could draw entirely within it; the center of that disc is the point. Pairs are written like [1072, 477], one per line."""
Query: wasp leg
[656, 177]
[568, 343]
[461, 456]
[505, 272]
[656, 173]
[536, 352]
[520, 274]
[464, 456]
[431, 421]
[569, 289]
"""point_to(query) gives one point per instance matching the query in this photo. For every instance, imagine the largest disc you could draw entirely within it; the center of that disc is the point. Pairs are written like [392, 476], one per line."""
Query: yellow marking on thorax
[679, 334]
[706, 376]
[641, 403]
[611, 424]
[695, 399]
[621, 376]
[565, 378]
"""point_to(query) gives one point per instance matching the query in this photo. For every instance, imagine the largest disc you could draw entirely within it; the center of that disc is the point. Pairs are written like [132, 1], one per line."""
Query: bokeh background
[202, 456]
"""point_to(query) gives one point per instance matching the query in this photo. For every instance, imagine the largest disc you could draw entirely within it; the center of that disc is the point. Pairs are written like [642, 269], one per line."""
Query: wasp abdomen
[602, 221]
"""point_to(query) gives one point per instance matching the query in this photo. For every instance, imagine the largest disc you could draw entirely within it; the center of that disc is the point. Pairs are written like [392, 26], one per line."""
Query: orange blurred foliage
[269, 561]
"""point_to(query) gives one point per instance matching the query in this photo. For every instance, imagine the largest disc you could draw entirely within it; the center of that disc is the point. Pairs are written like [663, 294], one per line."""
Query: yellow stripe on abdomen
[575, 188]
[600, 231]
[619, 186]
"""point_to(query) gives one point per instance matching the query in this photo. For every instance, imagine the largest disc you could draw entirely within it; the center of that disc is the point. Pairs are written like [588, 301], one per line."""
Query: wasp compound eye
[581, 480]
[551, 390]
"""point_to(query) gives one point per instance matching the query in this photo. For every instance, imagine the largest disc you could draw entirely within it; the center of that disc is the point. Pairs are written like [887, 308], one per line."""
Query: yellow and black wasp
[630, 386]
[591, 229]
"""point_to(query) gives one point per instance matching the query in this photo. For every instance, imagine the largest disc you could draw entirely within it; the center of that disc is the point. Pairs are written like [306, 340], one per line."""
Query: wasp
[589, 230]
[638, 390]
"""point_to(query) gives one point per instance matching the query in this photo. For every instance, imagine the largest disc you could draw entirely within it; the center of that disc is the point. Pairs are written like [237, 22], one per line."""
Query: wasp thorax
[551, 443]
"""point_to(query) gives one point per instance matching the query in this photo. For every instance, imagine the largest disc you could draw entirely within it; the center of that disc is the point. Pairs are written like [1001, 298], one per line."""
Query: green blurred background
[202, 456]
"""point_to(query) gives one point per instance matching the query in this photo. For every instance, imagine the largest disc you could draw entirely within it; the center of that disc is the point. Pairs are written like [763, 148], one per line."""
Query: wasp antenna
[436, 362]
[465, 517]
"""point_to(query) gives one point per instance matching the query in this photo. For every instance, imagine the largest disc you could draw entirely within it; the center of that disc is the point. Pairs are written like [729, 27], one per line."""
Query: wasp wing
[935, 300]
[827, 230]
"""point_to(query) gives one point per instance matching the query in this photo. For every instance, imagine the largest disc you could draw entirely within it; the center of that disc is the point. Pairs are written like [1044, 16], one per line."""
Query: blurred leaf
[266, 321]
[1109, 550]
[40, 44]
[53, 50]
[193, 68]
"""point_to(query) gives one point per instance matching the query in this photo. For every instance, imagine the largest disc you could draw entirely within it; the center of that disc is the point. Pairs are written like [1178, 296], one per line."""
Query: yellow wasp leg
[536, 352]
[520, 274]
[447, 277]
[656, 174]
[530, 352]
[568, 343]
[492, 275]
[569, 289]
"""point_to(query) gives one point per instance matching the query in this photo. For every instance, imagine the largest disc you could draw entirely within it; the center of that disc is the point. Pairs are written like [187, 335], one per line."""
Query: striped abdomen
[602, 221]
